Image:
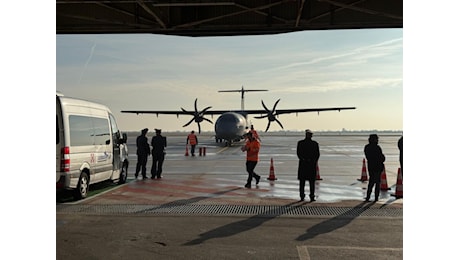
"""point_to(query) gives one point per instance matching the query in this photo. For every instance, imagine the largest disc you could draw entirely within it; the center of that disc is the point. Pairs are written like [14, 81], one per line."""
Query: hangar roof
[223, 17]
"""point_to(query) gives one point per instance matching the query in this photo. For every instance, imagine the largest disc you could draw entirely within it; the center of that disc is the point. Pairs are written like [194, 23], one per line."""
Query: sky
[310, 69]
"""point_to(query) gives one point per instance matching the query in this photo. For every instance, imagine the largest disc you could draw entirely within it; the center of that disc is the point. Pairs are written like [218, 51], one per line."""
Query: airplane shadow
[241, 226]
[334, 223]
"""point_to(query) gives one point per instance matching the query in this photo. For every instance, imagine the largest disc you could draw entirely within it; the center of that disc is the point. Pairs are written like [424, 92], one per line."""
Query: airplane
[231, 126]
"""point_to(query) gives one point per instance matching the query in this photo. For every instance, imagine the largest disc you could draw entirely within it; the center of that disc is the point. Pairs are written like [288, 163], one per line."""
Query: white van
[89, 146]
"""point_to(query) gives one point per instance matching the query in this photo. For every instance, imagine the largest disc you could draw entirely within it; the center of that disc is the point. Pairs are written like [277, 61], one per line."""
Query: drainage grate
[271, 211]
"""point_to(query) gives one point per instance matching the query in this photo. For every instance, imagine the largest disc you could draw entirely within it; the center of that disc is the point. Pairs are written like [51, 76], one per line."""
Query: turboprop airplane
[231, 126]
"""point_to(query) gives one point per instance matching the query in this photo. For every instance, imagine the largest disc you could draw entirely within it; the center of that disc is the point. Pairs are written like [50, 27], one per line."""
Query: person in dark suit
[143, 152]
[375, 159]
[158, 154]
[308, 154]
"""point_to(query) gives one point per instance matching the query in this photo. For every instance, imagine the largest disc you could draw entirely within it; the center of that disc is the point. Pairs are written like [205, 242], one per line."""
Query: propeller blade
[189, 122]
[274, 107]
[259, 117]
[204, 110]
[279, 123]
[268, 126]
[196, 99]
[266, 109]
[207, 120]
[199, 128]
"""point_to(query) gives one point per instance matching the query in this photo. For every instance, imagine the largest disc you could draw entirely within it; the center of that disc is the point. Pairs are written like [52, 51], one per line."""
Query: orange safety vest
[192, 139]
[252, 148]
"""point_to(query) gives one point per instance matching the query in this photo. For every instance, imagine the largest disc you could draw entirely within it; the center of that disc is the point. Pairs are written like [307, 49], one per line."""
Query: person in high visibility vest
[193, 140]
[251, 148]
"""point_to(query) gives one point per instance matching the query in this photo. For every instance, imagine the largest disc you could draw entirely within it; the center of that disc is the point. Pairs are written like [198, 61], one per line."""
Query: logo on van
[104, 157]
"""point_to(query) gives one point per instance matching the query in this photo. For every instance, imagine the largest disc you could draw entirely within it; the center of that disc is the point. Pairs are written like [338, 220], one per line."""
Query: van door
[116, 147]
[59, 140]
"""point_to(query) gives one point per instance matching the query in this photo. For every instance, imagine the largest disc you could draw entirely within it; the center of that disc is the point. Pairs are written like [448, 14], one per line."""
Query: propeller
[271, 115]
[198, 117]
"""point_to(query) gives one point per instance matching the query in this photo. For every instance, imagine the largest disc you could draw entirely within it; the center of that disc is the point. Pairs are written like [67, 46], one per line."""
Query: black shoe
[257, 179]
[376, 199]
[312, 198]
[144, 177]
[247, 186]
[136, 175]
[159, 177]
[367, 200]
[302, 199]
[153, 177]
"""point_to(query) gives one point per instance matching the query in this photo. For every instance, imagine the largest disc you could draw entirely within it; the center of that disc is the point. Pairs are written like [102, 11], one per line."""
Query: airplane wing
[173, 112]
[271, 115]
[198, 116]
[299, 110]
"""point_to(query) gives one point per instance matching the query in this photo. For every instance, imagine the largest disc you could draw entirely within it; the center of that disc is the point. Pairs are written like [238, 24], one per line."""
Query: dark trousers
[250, 166]
[141, 165]
[192, 149]
[157, 165]
[374, 179]
[302, 188]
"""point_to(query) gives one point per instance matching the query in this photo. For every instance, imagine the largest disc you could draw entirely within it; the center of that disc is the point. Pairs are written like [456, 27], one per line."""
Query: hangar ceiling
[222, 17]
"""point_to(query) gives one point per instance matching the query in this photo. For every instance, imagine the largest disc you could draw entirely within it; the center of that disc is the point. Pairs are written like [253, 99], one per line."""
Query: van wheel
[83, 187]
[124, 173]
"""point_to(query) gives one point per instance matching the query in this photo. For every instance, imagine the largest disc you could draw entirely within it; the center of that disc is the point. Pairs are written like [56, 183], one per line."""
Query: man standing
[143, 152]
[375, 160]
[158, 154]
[308, 154]
[251, 148]
[193, 140]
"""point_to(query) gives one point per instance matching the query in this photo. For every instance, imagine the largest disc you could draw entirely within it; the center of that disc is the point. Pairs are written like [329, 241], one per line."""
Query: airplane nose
[226, 128]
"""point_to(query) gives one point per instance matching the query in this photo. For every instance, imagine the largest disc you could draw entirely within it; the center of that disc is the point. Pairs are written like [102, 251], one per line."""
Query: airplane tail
[242, 90]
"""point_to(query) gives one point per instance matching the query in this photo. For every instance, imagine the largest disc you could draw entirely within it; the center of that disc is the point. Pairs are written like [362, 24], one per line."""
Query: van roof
[81, 102]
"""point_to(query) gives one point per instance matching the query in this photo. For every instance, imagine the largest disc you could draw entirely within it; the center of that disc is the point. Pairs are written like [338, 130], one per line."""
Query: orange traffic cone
[272, 177]
[363, 172]
[383, 180]
[318, 178]
[186, 150]
[399, 185]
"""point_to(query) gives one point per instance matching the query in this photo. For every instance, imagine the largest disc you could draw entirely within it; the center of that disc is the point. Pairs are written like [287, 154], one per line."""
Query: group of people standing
[158, 144]
[308, 154]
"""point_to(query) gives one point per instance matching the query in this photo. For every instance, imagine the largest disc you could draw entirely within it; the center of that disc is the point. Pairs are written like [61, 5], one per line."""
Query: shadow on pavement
[335, 222]
[240, 226]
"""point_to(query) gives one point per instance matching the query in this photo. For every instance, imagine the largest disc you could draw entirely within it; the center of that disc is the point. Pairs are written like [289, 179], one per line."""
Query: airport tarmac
[201, 210]
[218, 175]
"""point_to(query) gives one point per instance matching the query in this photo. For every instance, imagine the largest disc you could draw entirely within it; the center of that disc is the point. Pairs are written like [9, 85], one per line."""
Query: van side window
[86, 130]
[101, 131]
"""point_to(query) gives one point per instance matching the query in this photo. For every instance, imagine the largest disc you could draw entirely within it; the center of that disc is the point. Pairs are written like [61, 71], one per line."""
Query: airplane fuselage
[231, 126]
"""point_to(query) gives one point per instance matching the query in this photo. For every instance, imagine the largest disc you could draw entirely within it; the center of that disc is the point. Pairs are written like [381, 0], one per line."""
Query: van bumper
[60, 184]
